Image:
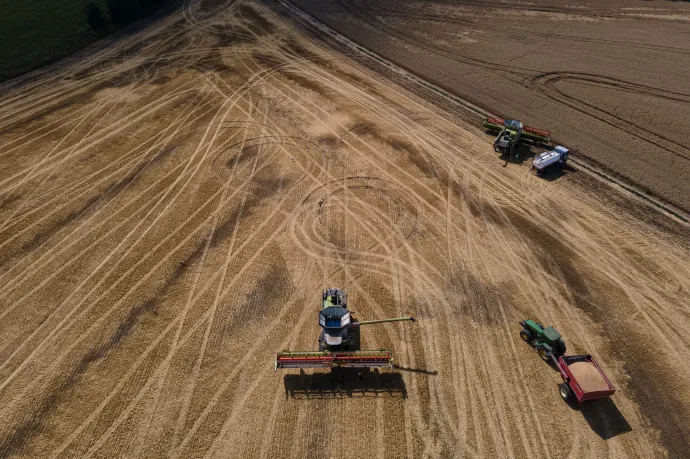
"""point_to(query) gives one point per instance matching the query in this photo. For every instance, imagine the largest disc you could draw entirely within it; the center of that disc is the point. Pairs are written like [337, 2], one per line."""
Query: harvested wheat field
[174, 201]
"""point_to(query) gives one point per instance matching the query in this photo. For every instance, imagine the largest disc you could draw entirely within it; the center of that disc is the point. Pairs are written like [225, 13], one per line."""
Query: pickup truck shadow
[345, 382]
[554, 172]
[603, 417]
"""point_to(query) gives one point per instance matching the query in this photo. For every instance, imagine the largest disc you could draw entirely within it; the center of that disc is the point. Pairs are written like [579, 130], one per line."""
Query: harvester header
[327, 359]
[497, 125]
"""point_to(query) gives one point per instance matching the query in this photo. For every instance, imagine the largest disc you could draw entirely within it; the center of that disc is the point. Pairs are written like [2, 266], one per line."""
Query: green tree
[97, 16]
[123, 12]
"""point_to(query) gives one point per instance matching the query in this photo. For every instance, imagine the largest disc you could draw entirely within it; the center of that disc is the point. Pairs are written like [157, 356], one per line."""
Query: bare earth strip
[172, 204]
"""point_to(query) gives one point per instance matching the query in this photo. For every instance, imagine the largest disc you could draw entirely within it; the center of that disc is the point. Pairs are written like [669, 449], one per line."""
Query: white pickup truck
[556, 157]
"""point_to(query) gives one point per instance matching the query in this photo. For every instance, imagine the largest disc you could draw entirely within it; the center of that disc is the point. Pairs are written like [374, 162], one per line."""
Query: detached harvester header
[339, 341]
[512, 132]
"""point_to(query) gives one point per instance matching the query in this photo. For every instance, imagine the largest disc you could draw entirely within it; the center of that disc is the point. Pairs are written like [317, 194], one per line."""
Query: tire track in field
[199, 322]
[239, 90]
[162, 144]
[8, 191]
[210, 283]
[109, 195]
[222, 202]
[63, 324]
[107, 132]
[190, 386]
[132, 232]
[546, 84]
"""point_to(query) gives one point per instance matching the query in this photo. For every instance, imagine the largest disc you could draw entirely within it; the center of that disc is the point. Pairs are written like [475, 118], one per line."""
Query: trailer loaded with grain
[583, 378]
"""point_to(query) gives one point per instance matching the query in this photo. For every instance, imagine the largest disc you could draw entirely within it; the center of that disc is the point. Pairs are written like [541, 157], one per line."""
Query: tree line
[105, 15]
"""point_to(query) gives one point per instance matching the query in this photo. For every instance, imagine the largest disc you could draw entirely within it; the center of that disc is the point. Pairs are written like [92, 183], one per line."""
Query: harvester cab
[339, 343]
[508, 138]
[511, 133]
[546, 340]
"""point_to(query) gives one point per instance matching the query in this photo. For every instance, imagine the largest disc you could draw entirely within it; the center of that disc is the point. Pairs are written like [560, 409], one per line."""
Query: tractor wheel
[566, 392]
[544, 354]
[526, 335]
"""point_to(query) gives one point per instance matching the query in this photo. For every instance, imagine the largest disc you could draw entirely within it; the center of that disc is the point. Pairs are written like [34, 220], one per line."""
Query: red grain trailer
[583, 378]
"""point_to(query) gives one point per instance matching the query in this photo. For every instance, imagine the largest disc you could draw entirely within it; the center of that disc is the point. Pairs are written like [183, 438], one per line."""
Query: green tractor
[546, 340]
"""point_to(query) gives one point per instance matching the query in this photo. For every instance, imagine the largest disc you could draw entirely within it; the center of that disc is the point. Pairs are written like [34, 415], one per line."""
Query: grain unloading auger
[339, 341]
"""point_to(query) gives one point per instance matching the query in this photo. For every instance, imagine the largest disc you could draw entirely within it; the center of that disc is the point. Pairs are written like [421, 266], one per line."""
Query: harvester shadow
[522, 153]
[345, 382]
[603, 417]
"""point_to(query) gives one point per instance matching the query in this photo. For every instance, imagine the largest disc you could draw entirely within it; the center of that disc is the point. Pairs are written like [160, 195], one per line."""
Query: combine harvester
[583, 378]
[512, 132]
[339, 341]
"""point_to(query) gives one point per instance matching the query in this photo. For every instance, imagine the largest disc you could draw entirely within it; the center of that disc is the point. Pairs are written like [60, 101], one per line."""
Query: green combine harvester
[511, 133]
[339, 341]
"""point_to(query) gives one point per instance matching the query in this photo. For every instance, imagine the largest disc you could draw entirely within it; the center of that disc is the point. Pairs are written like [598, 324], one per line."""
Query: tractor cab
[546, 340]
[551, 334]
[334, 320]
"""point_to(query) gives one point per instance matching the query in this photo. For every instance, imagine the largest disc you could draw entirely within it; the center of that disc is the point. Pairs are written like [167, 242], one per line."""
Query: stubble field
[174, 201]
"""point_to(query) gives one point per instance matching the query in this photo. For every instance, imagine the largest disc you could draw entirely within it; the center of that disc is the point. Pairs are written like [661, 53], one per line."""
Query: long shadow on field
[345, 382]
[604, 417]
[553, 173]
[417, 370]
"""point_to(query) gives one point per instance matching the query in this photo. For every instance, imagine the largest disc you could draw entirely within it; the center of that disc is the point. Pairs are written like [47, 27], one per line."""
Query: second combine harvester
[339, 342]
[512, 132]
